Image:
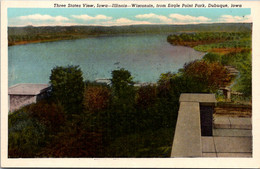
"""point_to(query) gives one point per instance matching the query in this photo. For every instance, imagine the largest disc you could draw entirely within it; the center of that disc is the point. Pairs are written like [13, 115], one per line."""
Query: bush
[50, 114]
[26, 136]
[74, 142]
[212, 57]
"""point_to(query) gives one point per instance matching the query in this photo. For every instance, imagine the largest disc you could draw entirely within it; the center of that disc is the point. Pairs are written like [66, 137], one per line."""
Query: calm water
[145, 56]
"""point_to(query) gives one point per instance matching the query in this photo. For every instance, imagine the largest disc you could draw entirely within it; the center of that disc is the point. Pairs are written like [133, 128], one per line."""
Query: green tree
[68, 87]
[123, 85]
[123, 114]
[244, 83]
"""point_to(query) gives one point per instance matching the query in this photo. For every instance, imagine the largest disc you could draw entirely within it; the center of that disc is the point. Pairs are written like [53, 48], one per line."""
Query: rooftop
[27, 89]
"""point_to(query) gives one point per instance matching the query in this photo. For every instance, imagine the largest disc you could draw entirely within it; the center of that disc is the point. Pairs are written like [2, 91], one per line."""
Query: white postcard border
[131, 162]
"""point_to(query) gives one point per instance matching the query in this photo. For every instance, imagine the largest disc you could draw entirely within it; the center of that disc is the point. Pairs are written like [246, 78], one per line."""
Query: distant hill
[30, 34]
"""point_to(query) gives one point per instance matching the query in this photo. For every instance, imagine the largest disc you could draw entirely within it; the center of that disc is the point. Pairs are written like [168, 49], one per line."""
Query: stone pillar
[229, 95]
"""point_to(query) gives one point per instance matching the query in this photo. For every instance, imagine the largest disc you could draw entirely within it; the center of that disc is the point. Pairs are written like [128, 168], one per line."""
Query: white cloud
[40, 17]
[103, 20]
[189, 18]
[87, 17]
[230, 18]
[162, 18]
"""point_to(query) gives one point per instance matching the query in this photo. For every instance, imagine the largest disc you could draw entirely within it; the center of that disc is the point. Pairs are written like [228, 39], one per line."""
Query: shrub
[212, 57]
[50, 114]
[74, 142]
[26, 136]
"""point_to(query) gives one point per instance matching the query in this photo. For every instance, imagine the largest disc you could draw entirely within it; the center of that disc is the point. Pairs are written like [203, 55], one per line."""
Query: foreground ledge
[187, 139]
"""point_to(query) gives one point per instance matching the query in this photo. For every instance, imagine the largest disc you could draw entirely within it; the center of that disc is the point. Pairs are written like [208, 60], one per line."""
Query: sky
[123, 16]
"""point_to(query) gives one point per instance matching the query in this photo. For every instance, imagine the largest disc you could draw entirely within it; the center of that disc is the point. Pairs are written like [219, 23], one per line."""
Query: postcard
[130, 84]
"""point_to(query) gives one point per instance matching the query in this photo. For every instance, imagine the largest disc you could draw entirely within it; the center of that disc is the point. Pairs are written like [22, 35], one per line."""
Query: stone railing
[187, 137]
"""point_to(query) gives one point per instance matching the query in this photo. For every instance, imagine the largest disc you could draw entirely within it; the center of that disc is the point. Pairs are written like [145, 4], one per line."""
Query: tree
[68, 87]
[244, 83]
[211, 75]
[146, 96]
[49, 114]
[122, 84]
[123, 117]
[74, 142]
[96, 98]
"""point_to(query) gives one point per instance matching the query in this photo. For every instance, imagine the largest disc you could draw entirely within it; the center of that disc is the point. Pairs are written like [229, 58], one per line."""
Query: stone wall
[18, 101]
[187, 137]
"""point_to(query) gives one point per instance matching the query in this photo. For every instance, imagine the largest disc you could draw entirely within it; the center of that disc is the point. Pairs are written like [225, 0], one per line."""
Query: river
[145, 56]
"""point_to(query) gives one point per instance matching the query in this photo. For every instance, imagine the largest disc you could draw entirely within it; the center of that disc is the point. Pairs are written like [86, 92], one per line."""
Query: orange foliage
[50, 114]
[146, 96]
[74, 143]
[96, 98]
[214, 75]
[226, 50]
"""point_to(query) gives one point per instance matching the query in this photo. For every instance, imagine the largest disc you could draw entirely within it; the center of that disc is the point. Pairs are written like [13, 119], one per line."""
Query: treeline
[30, 34]
[201, 38]
[87, 119]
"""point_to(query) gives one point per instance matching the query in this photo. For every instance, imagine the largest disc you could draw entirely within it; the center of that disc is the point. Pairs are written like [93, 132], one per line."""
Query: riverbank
[75, 37]
[35, 41]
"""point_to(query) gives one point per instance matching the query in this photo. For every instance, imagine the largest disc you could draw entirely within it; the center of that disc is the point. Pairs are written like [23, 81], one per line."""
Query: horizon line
[181, 24]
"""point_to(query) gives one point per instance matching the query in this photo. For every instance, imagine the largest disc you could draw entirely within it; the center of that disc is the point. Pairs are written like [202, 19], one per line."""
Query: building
[23, 94]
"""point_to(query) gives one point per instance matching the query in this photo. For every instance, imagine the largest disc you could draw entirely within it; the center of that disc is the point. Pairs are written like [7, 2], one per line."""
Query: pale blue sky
[123, 16]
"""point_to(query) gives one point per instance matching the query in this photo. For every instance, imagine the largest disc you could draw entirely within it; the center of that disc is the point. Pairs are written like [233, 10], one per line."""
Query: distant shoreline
[30, 34]
[81, 37]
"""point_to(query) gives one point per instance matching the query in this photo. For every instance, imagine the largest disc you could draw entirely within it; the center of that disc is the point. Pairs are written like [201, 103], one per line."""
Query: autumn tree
[96, 98]
[146, 96]
[212, 75]
[76, 141]
[50, 114]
